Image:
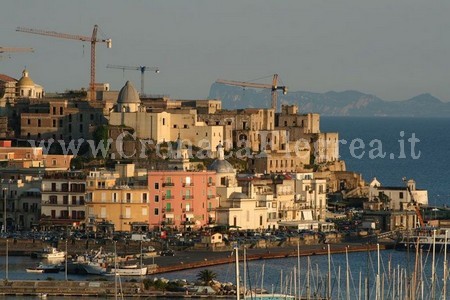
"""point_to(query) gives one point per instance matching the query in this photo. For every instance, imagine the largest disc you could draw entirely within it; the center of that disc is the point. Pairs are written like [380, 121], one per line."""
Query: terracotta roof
[6, 78]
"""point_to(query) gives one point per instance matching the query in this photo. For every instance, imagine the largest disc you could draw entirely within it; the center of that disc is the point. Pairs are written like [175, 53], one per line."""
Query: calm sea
[431, 169]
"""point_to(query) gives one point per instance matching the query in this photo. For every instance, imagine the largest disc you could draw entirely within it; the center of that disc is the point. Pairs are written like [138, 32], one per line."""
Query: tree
[206, 276]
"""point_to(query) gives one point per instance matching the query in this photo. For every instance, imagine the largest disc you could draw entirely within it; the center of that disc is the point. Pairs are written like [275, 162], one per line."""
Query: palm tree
[206, 276]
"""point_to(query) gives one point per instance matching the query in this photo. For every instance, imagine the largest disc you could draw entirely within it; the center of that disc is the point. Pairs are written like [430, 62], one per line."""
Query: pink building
[181, 199]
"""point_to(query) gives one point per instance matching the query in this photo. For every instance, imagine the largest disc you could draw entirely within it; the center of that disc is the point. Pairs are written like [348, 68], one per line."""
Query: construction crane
[140, 68]
[91, 39]
[273, 87]
[12, 49]
[415, 204]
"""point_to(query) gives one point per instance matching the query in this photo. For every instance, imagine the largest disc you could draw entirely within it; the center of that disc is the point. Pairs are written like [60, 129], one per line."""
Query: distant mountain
[346, 103]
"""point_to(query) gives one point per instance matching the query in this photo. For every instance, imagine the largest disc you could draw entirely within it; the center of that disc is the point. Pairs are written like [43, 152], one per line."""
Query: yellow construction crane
[13, 49]
[415, 204]
[274, 87]
[91, 39]
[140, 68]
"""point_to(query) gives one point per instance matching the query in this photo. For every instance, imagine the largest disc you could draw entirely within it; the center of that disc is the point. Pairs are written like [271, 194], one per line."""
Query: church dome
[25, 80]
[221, 166]
[128, 94]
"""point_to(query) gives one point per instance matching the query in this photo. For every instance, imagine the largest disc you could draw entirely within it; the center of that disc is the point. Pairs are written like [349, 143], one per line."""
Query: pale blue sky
[394, 49]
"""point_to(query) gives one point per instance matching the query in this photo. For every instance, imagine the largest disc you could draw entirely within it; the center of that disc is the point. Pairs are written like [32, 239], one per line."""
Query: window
[81, 118]
[156, 185]
[81, 200]
[39, 122]
[28, 121]
[114, 197]
[156, 211]
[144, 211]
[164, 121]
[53, 199]
[103, 212]
[401, 195]
[54, 110]
[128, 197]
[53, 186]
[92, 117]
[70, 117]
[53, 162]
[74, 200]
[65, 199]
[144, 198]
[156, 198]
[60, 110]
[81, 128]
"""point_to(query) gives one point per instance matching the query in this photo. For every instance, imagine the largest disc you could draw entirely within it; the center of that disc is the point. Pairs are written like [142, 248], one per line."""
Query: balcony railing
[188, 223]
[167, 210]
[167, 197]
[209, 209]
[211, 184]
[168, 184]
[188, 210]
[211, 196]
[188, 184]
[188, 197]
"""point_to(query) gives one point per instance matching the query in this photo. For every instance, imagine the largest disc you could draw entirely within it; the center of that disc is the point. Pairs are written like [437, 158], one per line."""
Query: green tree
[206, 276]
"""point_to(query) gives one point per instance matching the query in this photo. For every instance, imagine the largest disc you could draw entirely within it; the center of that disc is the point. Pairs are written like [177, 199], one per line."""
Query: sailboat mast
[347, 274]
[444, 292]
[433, 268]
[238, 289]
[329, 273]
[245, 272]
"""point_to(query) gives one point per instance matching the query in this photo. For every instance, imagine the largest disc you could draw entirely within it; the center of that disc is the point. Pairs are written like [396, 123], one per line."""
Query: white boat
[423, 238]
[50, 253]
[93, 268]
[268, 297]
[128, 271]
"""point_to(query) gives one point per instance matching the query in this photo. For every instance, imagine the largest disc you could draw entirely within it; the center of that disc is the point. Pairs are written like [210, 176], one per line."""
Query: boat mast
[433, 268]
[445, 267]
[238, 296]
[347, 274]
[329, 273]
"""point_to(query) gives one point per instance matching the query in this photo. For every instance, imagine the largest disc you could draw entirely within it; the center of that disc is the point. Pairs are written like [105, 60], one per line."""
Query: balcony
[211, 184]
[188, 184]
[188, 223]
[211, 196]
[188, 197]
[210, 209]
[190, 210]
[167, 210]
[125, 217]
[167, 197]
[168, 184]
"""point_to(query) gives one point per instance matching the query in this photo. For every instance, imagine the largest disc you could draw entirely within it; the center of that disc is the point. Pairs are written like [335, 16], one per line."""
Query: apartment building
[182, 200]
[63, 199]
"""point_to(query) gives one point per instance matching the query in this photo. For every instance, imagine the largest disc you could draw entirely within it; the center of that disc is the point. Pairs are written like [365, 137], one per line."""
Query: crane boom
[415, 204]
[140, 68]
[92, 39]
[13, 49]
[273, 87]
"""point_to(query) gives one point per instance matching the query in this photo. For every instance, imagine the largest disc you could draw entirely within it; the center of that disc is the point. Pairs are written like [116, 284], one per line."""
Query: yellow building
[119, 198]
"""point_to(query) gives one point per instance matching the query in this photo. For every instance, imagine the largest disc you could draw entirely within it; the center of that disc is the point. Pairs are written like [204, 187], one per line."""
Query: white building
[396, 198]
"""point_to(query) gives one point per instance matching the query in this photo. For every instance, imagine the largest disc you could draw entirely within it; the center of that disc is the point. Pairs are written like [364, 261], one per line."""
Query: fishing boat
[128, 271]
[49, 253]
[423, 238]
[41, 268]
[268, 297]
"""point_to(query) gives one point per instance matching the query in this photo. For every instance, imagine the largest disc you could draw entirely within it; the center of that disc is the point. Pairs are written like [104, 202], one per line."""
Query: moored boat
[41, 268]
[49, 253]
[424, 239]
[128, 271]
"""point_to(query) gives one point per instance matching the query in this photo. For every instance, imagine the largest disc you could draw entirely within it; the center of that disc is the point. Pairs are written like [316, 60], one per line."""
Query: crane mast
[415, 204]
[274, 87]
[140, 68]
[92, 39]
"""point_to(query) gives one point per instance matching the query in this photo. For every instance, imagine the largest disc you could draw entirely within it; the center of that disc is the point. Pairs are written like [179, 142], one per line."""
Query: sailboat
[252, 295]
